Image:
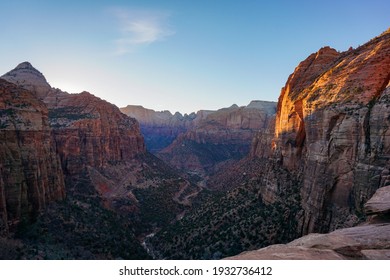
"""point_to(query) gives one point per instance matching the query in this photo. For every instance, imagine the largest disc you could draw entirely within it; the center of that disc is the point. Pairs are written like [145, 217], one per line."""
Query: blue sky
[176, 54]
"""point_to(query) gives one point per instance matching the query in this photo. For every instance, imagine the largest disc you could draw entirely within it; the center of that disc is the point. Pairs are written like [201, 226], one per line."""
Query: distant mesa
[268, 106]
[161, 128]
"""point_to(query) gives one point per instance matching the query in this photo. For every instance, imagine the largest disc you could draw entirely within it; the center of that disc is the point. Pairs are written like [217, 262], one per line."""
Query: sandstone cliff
[88, 131]
[218, 137]
[92, 132]
[331, 127]
[30, 169]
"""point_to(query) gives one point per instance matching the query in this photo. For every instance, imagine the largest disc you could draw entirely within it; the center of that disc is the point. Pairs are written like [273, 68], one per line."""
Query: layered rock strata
[88, 130]
[50, 136]
[315, 165]
[30, 170]
[331, 128]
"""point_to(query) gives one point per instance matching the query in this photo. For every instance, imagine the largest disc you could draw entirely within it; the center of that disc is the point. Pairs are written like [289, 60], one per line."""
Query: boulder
[379, 203]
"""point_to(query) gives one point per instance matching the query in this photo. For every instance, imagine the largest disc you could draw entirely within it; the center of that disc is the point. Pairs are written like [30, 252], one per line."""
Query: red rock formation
[92, 132]
[75, 131]
[88, 130]
[30, 170]
[331, 128]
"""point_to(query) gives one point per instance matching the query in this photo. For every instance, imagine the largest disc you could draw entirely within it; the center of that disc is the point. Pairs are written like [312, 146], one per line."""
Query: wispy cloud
[140, 27]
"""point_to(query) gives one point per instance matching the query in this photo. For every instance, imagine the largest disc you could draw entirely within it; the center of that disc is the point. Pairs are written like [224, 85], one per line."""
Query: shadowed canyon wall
[49, 135]
[30, 170]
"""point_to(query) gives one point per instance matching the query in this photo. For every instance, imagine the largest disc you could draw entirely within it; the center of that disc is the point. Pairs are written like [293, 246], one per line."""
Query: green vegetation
[7, 112]
[83, 227]
[3, 125]
[225, 224]
[70, 113]
[80, 228]
[156, 204]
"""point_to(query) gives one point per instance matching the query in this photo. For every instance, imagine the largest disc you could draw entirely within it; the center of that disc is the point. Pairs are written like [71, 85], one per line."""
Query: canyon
[74, 160]
[309, 173]
[160, 128]
[202, 142]
[317, 163]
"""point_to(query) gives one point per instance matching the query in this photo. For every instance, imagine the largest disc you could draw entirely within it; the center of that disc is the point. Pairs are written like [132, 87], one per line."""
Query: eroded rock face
[379, 204]
[26, 76]
[92, 132]
[50, 136]
[88, 130]
[218, 137]
[114, 187]
[331, 128]
[30, 169]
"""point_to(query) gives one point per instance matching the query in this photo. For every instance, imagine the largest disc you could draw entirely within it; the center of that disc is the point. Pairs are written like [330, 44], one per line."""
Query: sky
[179, 55]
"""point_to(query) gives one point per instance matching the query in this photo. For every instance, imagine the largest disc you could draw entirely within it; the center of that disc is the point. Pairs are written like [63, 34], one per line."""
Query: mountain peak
[28, 77]
[25, 65]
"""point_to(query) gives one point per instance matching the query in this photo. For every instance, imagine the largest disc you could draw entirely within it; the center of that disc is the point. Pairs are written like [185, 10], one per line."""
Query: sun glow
[69, 87]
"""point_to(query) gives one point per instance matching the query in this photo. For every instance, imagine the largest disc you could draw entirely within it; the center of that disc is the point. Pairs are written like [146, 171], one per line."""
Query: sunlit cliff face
[328, 78]
[332, 125]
